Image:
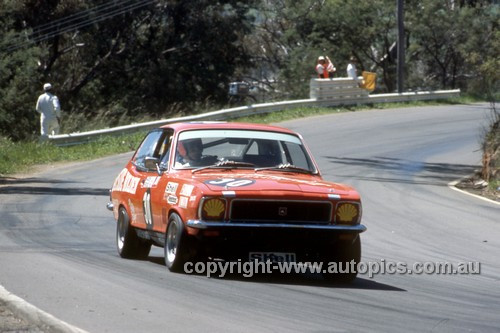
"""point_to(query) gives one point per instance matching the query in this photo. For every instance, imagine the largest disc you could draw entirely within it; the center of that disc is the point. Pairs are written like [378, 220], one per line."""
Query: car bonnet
[266, 183]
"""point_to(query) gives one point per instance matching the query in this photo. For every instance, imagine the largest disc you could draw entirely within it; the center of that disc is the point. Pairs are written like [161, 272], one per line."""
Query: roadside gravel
[11, 322]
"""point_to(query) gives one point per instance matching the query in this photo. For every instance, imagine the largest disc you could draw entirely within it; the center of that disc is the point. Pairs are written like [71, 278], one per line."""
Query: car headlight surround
[347, 212]
[213, 209]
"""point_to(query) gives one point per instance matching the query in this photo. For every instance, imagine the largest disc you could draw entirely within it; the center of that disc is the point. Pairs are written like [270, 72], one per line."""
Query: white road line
[453, 184]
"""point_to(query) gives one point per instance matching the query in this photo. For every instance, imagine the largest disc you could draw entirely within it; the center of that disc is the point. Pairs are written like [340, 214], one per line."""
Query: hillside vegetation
[116, 62]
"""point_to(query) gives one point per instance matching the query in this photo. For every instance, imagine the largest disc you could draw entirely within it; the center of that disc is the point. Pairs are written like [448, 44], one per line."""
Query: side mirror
[152, 163]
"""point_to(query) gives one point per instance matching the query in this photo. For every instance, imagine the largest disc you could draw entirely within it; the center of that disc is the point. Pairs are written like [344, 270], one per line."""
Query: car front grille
[275, 211]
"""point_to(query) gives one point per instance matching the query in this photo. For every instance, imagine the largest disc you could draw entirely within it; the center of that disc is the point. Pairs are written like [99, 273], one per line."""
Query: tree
[293, 34]
[20, 78]
[451, 45]
[134, 57]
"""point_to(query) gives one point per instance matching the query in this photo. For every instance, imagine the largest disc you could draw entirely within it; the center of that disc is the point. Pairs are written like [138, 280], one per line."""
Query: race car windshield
[244, 148]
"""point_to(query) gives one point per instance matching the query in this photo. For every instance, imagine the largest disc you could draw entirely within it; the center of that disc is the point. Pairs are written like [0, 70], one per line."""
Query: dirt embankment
[487, 182]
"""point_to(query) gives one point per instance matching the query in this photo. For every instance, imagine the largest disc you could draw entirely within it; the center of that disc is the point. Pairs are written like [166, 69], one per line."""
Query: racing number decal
[230, 182]
[146, 204]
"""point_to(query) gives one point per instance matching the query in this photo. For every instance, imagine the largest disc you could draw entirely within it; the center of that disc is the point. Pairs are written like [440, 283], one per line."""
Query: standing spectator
[50, 112]
[352, 72]
[322, 68]
[325, 68]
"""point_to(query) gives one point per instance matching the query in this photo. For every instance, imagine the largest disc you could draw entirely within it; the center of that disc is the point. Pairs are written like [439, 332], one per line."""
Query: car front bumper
[198, 224]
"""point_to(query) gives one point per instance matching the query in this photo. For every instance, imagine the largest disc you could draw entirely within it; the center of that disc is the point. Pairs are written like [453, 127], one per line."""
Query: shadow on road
[9, 185]
[311, 280]
[30, 180]
[409, 172]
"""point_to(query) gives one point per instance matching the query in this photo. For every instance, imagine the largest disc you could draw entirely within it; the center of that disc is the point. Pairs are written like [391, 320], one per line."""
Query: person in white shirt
[50, 112]
[352, 72]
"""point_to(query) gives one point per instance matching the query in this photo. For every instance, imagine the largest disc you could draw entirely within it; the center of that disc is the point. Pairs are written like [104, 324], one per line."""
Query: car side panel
[162, 198]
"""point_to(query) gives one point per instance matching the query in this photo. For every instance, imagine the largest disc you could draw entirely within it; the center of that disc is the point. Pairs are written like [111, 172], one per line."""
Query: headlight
[347, 213]
[213, 209]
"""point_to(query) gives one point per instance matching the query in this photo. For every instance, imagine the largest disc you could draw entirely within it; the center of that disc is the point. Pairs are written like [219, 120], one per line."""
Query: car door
[163, 193]
[151, 147]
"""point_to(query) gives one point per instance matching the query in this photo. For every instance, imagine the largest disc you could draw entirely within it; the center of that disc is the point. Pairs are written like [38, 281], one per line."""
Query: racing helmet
[185, 146]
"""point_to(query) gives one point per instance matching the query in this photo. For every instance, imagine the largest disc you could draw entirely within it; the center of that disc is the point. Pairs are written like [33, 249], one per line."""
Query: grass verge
[21, 157]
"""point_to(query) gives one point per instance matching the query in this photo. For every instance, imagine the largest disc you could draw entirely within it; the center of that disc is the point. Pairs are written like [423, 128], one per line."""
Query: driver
[190, 152]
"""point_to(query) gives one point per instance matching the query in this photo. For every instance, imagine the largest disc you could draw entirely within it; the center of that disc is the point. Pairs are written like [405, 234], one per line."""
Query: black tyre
[176, 245]
[347, 255]
[128, 244]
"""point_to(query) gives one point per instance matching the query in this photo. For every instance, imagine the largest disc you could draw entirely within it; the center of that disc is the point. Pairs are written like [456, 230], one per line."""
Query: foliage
[127, 63]
[440, 52]
[444, 54]
[116, 62]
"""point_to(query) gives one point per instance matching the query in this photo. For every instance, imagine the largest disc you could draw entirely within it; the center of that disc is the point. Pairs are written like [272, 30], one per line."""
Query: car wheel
[129, 245]
[176, 249]
[345, 252]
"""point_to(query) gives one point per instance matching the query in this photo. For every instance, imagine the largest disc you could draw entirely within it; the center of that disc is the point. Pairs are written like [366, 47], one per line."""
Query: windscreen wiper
[225, 164]
[285, 166]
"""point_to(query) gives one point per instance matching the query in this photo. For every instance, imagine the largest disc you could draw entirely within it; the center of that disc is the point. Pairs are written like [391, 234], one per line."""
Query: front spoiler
[197, 224]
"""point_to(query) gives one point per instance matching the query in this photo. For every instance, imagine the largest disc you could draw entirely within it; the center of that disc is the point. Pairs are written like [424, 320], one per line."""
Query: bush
[491, 150]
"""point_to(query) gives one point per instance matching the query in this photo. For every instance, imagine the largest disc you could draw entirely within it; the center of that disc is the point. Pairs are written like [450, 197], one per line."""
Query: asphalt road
[57, 247]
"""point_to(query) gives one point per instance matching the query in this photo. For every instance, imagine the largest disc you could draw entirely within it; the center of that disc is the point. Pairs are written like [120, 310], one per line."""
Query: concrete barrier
[336, 89]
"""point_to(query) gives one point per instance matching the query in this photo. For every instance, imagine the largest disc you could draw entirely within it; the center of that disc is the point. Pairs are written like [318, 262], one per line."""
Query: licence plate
[272, 256]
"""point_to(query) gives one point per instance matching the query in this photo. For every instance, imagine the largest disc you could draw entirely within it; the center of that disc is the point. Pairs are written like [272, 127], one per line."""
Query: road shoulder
[474, 186]
[18, 315]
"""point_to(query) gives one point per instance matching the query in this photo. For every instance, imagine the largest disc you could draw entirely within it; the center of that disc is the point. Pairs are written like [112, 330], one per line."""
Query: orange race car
[232, 191]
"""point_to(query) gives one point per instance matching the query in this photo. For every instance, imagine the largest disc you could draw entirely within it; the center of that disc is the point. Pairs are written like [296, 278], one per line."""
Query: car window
[197, 148]
[150, 147]
[225, 148]
[297, 156]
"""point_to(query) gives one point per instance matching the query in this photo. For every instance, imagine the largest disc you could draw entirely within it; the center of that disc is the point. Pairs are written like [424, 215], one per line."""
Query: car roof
[226, 125]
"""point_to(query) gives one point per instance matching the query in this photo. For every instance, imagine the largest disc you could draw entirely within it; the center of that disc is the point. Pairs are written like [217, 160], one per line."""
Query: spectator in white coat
[50, 112]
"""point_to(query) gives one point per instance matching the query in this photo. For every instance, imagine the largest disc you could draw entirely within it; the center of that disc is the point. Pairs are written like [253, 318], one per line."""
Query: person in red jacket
[325, 68]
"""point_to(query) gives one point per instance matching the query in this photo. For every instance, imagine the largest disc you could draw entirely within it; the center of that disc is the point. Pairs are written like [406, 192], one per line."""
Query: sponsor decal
[183, 202]
[171, 188]
[125, 182]
[230, 182]
[118, 184]
[146, 206]
[172, 199]
[192, 198]
[229, 193]
[151, 182]
[186, 190]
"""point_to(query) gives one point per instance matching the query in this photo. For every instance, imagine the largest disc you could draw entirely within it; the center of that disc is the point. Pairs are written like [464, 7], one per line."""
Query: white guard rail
[242, 111]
